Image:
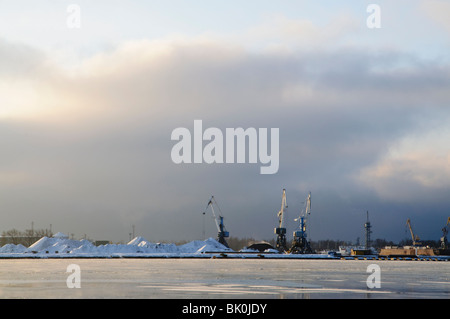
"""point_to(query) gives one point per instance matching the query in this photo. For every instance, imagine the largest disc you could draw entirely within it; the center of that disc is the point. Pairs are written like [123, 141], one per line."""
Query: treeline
[330, 244]
[430, 243]
[26, 237]
[236, 243]
[30, 236]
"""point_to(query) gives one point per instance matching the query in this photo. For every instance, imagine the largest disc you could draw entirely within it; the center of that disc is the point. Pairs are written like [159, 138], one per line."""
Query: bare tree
[26, 238]
[11, 236]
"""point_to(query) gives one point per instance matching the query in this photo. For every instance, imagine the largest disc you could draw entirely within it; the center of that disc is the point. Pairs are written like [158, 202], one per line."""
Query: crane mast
[300, 244]
[443, 239]
[280, 231]
[222, 232]
[415, 238]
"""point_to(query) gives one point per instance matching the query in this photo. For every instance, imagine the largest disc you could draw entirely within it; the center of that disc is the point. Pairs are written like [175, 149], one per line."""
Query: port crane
[415, 238]
[443, 239]
[222, 232]
[300, 243]
[280, 231]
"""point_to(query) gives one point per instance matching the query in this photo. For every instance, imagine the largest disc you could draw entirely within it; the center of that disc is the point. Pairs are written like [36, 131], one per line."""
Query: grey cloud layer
[107, 153]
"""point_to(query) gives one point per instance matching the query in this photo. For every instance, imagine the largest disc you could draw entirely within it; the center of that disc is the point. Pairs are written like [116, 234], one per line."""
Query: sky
[90, 93]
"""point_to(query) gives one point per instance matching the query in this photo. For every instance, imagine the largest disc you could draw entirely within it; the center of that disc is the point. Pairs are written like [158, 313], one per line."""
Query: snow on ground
[60, 246]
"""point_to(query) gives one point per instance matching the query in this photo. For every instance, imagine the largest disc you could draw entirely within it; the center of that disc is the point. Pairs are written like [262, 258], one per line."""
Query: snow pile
[199, 246]
[137, 241]
[196, 246]
[148, 247]
[11, 248]
[60, 245]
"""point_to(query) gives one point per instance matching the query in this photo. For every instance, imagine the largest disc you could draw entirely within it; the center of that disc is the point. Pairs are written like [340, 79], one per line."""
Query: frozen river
[222, 278]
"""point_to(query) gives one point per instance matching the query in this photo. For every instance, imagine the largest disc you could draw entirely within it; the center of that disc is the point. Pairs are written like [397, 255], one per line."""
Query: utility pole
[203, 230]
[368, 229]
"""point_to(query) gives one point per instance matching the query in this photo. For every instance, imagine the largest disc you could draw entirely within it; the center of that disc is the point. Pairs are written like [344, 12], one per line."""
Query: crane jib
[222, 232]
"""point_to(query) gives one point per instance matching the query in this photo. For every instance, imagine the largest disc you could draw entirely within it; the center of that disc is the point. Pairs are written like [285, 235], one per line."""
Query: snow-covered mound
[11, 248]
[137, 241]
[59, 244]
[208, 245]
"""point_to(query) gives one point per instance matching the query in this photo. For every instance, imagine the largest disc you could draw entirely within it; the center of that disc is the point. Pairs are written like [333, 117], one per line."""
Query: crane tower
[414, 237]
[300, 244]
[222, 232]
[443, 240]
[280, 231]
